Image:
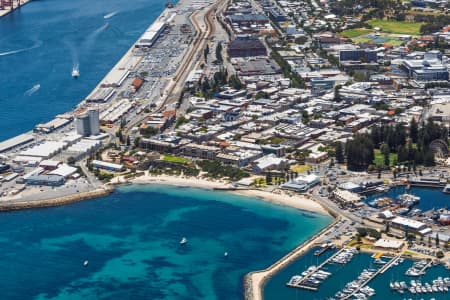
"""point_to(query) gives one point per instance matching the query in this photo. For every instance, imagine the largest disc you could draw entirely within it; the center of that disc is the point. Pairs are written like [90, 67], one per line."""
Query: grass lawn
[352, 33]
[176, 159]
[361, 40]
[379, 158]
[398, 27]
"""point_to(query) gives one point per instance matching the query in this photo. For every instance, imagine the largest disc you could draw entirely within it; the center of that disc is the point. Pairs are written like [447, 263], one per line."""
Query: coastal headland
[31, 204]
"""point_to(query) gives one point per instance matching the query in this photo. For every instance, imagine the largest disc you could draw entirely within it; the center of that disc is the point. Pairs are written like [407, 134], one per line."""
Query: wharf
[20, 205]
[380, 271]
[322, 250]
[4, 12]
[421, 271]
[301, 284]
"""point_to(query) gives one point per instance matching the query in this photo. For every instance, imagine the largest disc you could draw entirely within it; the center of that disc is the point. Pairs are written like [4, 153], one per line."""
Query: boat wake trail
[110, 15]
[37, 45]
[99, 30]
[33, 90]
[93, 35]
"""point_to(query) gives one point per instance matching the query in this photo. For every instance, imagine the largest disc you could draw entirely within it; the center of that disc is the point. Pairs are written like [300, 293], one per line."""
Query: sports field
[397, 27]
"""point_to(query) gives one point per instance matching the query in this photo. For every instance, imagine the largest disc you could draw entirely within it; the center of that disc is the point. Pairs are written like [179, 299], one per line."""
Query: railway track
[188, 64]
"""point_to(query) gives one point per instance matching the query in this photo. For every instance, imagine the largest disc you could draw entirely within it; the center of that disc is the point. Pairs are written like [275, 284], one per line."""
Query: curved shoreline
[254, 281]
[296, 201]
[52, 202]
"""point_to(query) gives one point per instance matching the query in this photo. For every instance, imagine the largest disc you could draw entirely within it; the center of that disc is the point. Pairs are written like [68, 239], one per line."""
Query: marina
[360, 278]
[314, 275]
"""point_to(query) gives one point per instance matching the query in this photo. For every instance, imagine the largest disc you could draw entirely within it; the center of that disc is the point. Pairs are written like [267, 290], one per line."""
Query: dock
[324, 248]
[421, 271]
[14, 5]
[379, 271]
[301, 283]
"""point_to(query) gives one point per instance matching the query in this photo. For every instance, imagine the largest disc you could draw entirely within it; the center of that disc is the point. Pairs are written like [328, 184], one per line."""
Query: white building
[268, 163]
[302, 183]
[410, 225]
[346, 197]
[99, 164]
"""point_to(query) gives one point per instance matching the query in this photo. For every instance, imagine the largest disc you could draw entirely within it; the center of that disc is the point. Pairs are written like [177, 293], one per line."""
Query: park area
[387, 33]
[396, 27]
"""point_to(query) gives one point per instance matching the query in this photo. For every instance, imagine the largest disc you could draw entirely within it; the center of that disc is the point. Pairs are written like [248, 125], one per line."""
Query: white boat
[409, 198]
[183, 241]
[75, 72]
[86, 262]
[110, 15]
[225, 254]
[379, 261]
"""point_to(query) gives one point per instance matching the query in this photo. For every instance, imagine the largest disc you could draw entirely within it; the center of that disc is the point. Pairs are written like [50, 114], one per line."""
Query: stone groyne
[254, 281]
[19, 205]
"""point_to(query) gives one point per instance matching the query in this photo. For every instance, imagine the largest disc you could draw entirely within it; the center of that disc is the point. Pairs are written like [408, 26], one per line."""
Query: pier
[254, 281]
[302, 283]
[422, 271]
[8, 6]
[379, 271]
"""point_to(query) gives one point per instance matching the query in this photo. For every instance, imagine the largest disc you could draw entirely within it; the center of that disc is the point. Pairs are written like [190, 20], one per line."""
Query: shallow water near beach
[131, 240]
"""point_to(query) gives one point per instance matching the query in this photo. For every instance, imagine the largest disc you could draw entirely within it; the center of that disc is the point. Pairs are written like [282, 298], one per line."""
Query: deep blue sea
[276, 288]
[41, 42]
[131, 240]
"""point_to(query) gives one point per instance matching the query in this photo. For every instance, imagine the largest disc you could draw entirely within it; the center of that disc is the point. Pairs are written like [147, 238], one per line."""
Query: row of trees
[209, 87]
[411, 147]
[296, 80]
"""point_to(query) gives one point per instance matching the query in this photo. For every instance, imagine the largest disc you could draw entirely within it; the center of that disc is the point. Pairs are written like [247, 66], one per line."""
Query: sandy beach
[278, 197]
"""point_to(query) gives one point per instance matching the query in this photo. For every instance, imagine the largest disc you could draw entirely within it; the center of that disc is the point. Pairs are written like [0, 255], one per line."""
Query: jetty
[371, 277]
[7, 7]
[324, 248]
[58, 201]
[304, 282]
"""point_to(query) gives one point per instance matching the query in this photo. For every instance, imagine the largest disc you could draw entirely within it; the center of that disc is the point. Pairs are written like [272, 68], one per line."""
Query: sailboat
[75, 71]
[183, 241]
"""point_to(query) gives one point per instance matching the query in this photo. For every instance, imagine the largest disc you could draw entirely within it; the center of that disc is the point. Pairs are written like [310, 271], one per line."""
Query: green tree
[206, 52]
[339, 153]
[136, 141]
[428, 159]
[384, 149]
[219, 52]
[71, 160]
[413, 130]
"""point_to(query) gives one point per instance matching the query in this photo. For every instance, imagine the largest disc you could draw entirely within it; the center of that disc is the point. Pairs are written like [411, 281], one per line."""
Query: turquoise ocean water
[131, 240]
[41, 42]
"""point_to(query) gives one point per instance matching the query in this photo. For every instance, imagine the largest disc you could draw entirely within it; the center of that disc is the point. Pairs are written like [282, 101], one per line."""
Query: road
[204, 26]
